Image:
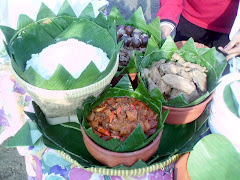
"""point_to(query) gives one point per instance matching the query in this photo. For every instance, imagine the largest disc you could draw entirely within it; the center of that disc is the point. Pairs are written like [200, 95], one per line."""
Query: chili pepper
[133, 107]
[111, 118]
[119, 110]
[103, 131]
[135, 103]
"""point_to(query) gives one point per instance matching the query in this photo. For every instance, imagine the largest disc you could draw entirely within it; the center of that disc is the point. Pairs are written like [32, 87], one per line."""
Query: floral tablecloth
[43, 163]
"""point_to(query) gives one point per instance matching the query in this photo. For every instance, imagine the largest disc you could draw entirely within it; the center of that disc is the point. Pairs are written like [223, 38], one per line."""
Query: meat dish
[176, 77]
[117, 117]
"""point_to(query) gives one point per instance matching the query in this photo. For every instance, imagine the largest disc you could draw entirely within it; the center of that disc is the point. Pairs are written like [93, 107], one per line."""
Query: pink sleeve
[170, 10]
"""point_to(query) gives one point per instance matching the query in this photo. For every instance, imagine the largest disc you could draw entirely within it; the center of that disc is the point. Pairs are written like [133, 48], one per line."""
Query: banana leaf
[214, 157]
[68, 138]
[214, 62]
[66, 10]
[31, 37]
[28, 135]
[229, 100]
[176, 139]
[88, 12]
[137, 138]
[137, 20]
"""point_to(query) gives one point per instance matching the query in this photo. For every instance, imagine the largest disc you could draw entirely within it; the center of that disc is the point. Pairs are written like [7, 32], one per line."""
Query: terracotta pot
[180, 168]
[112, 159]
[187, 114]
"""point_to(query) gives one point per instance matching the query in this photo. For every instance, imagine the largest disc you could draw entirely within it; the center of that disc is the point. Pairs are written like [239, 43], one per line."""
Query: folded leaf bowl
[182, 111]
[61, 94]
[137, 145]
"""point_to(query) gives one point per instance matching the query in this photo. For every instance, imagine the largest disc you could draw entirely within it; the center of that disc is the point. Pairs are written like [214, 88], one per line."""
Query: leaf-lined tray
[67, 138]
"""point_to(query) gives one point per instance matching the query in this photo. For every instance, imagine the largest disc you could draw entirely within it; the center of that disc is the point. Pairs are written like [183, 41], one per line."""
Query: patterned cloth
[43, 163]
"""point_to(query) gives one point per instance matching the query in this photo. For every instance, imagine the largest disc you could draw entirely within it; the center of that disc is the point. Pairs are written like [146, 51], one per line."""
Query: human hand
[232, 49]
[165, 31]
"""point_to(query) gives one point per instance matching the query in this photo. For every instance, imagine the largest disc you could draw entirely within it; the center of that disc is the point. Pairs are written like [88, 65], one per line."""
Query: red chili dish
[117, 117]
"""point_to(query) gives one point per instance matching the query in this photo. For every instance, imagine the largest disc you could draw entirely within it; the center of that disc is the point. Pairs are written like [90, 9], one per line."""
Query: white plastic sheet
[222, 120]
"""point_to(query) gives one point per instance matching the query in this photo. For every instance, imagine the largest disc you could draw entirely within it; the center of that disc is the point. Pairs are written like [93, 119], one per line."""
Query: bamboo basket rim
[122, 172]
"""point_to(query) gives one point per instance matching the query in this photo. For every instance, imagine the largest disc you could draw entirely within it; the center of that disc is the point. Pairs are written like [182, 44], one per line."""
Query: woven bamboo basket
[123, 172]
[63, 103]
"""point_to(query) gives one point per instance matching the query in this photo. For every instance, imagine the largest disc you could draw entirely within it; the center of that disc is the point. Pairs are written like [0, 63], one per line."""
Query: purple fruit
[136, 42]
[127, 39]
[137, 32]
[144, 38]
[129, 30]
[120, 27]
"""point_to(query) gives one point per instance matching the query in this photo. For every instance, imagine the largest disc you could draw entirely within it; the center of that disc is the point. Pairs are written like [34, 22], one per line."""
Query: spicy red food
[119, 116]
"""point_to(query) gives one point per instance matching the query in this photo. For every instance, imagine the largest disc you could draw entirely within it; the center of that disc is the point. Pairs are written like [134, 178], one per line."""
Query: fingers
[235, 50]
[222, 49]
[232, 49]
[231, 53]
[165, 31]
[234, 42]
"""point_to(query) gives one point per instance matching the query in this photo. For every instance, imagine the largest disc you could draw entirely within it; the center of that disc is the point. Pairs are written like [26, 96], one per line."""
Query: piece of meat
[170, 68]
[178, 58]
[184, 74]
[145, 72]
[194, 66]
[159, 63]
[189, 97]
[164, 88]
[126, 130]
[174, 93]
[180, 83]
[200, 79]
[131, 115]
[154, 74]
[151, 84]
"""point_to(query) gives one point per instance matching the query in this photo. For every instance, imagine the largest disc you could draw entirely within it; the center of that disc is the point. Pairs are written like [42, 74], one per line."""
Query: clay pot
[187, 114]
[180, 168]
[112, 159]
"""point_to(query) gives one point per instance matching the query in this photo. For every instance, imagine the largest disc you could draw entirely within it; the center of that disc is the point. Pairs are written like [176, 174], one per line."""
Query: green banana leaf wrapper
[67, 137]
[214, 62]
[32, 37]
[137, 20]
[137, 138]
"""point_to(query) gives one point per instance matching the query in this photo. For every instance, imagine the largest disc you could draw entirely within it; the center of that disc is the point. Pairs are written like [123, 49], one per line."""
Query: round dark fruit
[136, 42]
[144, 38]
[137, 32]
[129, 30]
[120, 27]
[127, 39]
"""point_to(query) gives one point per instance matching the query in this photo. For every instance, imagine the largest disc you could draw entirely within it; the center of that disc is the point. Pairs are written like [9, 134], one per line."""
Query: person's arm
[232, 49]
[169, 15]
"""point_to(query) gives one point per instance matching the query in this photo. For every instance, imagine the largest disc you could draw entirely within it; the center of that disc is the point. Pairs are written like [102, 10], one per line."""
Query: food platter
[67, 138]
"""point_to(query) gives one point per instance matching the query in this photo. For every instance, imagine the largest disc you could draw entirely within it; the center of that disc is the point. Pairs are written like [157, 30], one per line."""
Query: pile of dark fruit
[134, 39]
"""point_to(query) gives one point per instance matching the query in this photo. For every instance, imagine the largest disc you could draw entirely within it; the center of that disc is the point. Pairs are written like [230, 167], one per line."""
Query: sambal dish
[117, 117]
